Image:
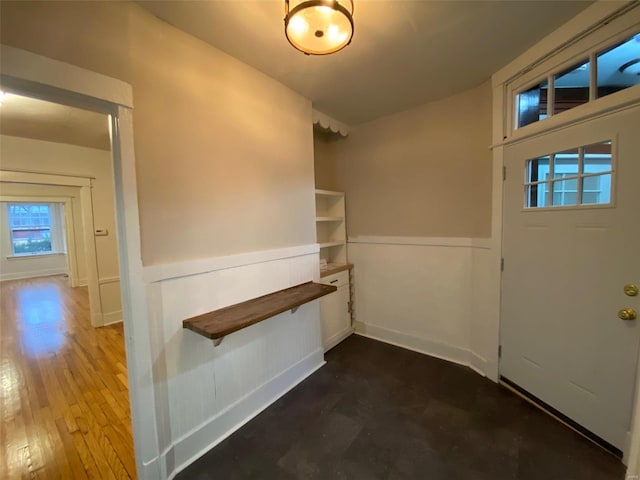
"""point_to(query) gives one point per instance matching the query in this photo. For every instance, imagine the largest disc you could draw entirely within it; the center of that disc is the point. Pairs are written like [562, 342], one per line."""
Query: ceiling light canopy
[319, 27]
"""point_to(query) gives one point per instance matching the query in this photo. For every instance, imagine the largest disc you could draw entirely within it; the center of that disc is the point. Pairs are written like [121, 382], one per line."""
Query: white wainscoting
[28, 266]
[204, 393]
[425, 294]
[111, 300]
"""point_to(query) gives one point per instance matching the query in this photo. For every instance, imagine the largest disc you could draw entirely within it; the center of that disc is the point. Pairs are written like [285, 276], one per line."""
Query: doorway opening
[63, 344]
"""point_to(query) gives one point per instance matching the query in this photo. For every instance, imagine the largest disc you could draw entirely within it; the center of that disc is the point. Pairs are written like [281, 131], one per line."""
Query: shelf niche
[330, 226]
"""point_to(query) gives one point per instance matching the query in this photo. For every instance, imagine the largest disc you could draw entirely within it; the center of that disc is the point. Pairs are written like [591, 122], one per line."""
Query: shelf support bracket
[294, 310]
[217, 341]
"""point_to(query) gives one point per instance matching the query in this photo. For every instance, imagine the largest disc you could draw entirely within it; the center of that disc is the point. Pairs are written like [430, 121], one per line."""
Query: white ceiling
[403, 53]
[31, 118]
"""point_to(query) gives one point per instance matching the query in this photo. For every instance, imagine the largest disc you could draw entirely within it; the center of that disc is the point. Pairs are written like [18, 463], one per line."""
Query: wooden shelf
[335, 268]
[329, 219]
[219, 323]
[331, 244]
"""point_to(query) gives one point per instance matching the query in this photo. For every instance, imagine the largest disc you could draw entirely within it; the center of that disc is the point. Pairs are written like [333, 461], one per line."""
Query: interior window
[571, 88]
[619, 67]
[597, 170]
[537, 184]
[532, 104]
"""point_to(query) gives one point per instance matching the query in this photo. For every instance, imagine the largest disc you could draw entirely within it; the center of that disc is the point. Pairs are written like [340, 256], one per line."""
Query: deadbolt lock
[631, 290]
[627, 314]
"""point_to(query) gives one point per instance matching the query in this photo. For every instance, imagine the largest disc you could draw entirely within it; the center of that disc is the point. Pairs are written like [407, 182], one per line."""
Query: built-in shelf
[219, 323]
[330, 226]
[335, 268]
[331, 235]
[331, 244]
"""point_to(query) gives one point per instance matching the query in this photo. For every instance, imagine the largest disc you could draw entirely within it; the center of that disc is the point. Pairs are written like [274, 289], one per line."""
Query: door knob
[627, 314]
[631, 290]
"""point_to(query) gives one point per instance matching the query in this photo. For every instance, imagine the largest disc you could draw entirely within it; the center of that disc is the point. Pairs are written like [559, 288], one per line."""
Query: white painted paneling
[425, 294]
[111, 300]
[420, 291]
[204, 392]
[484, 317]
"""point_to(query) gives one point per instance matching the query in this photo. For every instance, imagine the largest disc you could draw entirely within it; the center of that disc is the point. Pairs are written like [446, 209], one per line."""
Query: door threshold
[560, 417]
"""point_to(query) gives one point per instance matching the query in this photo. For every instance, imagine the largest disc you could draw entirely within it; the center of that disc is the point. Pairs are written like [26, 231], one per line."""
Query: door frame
[86, 213]
[24, 72]
[596, 25]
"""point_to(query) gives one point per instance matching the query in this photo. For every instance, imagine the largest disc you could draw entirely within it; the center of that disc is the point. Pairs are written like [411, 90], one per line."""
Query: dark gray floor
[376, 411]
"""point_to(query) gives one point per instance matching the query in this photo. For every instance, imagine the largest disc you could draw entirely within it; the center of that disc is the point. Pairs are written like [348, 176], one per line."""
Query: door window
[579, 176]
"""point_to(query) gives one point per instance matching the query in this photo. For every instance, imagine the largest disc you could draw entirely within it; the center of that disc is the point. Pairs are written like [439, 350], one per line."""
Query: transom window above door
[595, 75]
[578, 177]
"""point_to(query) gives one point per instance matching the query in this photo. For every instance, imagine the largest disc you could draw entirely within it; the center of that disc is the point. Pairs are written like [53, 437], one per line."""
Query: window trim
[31, 255]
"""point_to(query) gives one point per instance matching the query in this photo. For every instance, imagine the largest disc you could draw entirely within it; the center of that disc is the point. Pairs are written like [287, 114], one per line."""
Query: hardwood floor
[64, 398]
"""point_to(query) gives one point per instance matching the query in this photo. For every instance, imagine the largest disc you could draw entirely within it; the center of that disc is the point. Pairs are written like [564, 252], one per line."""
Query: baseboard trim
[150, 469]
[425, 346]
[37, 274]
[180, 455]
[478, 364]
[111, 318]
[337, 338]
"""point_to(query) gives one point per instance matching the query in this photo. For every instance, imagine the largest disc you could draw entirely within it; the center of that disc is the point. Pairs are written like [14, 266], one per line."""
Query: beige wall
[324, 160]
[215, 175]
[424, 172]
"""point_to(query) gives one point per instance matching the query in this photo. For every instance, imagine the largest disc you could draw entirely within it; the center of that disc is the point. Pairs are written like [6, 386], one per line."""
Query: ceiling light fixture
[632, 67]
[318, 27]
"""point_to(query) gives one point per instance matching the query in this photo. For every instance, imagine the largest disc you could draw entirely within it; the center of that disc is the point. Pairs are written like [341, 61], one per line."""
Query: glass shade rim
[335, 6]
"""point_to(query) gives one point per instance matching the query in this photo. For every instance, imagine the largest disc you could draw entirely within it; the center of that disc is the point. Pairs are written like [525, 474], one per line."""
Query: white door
[566, 268]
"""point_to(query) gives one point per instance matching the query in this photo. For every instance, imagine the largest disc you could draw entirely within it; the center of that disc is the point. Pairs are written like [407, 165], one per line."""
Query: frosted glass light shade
[319, 27]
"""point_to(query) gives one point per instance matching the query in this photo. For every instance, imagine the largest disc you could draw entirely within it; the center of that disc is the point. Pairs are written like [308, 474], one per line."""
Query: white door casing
[28, 73]
[562, 285]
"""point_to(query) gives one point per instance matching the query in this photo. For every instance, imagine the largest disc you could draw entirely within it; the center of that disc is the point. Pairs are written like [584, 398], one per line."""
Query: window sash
[35, 228]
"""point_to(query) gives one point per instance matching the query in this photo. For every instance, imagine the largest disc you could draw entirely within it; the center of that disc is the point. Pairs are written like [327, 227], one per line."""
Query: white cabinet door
[334, 312]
